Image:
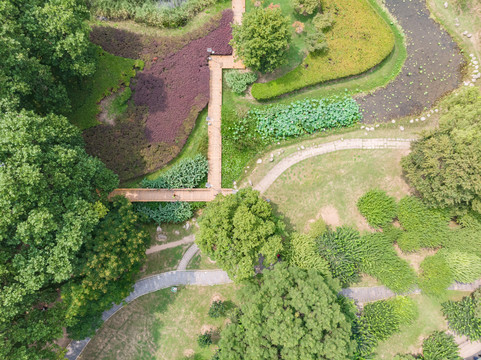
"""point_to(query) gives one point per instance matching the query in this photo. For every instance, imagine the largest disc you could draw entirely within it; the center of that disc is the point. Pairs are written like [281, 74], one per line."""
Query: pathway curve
[156, 248]
[189, 254]
[432, 67]
[151, 284]
[326, 148]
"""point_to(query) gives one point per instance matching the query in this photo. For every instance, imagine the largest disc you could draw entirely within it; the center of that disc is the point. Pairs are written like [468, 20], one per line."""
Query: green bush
[470, 220]
[204, 340]
[436, 275]
[316, 42]
[463, 316]
[341, 248]
[188, 173]
[377, 207]
[304, 254]
[440, 345]
[305, 117]
[306, 7]
[383, 318]
[172, 15]
[167, 212]
[466, 239]
[217, 309]
[239, 81]
[380, 260]
[323, 21]
[392, 232]
[425, 227]
[465, 267]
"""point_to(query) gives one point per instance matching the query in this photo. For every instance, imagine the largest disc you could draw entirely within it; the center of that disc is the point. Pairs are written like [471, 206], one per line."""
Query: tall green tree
[236, 230]
[263, 39]
[290, 314]
[445, 164]
[44, 43]
[107, 265]
[51, 194]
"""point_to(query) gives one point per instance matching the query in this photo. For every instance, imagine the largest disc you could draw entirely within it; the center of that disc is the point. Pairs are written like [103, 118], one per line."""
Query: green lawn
[201, 262]
[161, 326]
[360, 38]
[410, 338]
[163, 261]
[328, 186]
[113, 73]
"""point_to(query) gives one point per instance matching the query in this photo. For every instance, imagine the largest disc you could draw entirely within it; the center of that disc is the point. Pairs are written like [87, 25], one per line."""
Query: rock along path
[326, 148]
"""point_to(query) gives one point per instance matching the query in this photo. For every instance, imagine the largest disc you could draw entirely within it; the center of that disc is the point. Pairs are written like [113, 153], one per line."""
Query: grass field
[359, 39]
[410, 338]
[162, 261]
[113, 72]
[328, 186]
[160, 326]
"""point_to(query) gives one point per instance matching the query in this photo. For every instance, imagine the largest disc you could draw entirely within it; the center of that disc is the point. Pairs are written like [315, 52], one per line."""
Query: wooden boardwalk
[214, 179]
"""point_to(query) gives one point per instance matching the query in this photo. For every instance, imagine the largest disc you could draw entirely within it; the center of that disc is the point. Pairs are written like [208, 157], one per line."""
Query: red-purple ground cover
[172, 87]
[168, 95]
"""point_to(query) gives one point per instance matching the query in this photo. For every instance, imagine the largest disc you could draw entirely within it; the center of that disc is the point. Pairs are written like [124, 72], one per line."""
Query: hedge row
[171, 14]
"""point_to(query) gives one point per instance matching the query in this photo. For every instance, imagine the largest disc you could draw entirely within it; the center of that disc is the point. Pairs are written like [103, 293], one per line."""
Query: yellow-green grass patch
[359, 40]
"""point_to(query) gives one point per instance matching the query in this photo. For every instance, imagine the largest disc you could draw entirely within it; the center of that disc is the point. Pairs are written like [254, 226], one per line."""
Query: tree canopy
[51, 194]
[290, 314]
[263, 39]
[44, 43]
[445, 164]
[236, 229]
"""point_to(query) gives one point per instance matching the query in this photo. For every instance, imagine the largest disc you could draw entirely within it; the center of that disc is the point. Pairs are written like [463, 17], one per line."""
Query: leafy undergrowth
[113, 72]
[359, 40]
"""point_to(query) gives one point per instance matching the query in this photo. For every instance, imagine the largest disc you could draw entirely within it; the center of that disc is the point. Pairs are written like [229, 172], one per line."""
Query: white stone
[423, 118]
[401, 128]
[372, 128]
[417, 119]
[250, 182]
[271, 159]
[471, 84]
[365, 133]
[476, 70]
[159, 229]
[393, 121]
[475, 62]
[362, 127]
[436, 110]
[248, 167]
[428, 115]
[469, 36]
[446, 5]
[177, 232]
[377, 125]
[465, 32]
[471, 55]
[411, 121]
[259, 161]
[302, 147]
[187, 225]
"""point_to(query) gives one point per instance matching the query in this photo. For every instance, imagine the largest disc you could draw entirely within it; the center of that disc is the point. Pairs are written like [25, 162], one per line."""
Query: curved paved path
[432, 67]
[326, 148]
[189, 254]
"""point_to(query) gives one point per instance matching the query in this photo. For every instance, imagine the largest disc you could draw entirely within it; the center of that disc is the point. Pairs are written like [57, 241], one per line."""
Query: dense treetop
[263, 39]
[289, 314]
[236, 229]
[44, 43]
[445, 164]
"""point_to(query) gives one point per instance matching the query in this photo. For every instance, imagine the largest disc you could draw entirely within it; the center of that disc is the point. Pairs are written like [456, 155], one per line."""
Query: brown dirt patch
[415, 259]
[216, 297]
[189, 353]
[330, 215]
[103, 117]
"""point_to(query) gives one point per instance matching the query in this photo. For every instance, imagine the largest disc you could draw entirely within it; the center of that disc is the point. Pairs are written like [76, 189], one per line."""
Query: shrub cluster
[204, 340]
[306, 7]
[304, 254]
[381, 319]
[464, 316]
[316, 40]
[425, 227]
[167, 212]
[377, 207]
[188, 173]
[239, 81]
[380, 260]
[217, 309]
[465, 239]
[440, 345]
[465, 267]
[436, 275]
[172, 14]
[305, 117]
[341, 249]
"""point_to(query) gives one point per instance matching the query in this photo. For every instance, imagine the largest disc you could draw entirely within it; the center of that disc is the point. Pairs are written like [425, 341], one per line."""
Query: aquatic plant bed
[167, 96]
[432, 68]
[358, 40]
